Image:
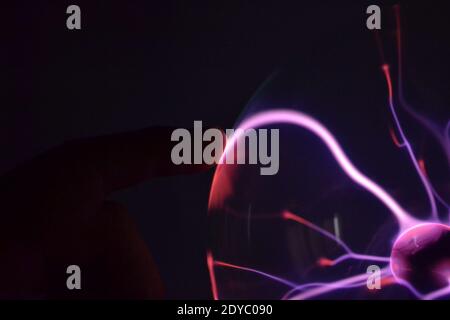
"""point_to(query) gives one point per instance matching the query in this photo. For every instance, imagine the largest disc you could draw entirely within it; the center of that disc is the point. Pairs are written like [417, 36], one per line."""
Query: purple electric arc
[420, 255]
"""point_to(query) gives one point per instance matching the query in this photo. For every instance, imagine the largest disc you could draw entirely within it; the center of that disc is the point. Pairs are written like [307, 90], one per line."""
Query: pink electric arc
[415, 238]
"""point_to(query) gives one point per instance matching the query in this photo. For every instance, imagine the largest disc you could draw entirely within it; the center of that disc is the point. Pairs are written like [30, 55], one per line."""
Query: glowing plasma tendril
[409, 227]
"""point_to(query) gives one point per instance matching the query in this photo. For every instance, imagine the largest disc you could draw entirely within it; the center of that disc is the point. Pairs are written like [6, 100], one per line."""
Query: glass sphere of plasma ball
[276, 237]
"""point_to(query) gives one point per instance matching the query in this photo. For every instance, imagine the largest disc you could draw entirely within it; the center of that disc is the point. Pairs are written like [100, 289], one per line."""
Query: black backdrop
[141, 63]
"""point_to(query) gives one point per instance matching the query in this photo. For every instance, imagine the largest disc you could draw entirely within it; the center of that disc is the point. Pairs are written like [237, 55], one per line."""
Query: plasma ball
[421, 257]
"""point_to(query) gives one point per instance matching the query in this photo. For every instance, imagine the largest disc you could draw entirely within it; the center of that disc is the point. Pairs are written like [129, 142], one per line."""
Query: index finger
[129, 158]
[77, 176]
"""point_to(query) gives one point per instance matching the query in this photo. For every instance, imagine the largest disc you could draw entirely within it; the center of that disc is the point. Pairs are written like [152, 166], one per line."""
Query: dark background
[140, 63]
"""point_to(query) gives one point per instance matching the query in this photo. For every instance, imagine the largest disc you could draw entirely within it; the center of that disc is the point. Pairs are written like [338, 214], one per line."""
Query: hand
[55, 213]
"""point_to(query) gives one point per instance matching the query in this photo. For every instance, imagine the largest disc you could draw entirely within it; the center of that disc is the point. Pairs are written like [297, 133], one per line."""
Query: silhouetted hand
[55, 212]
